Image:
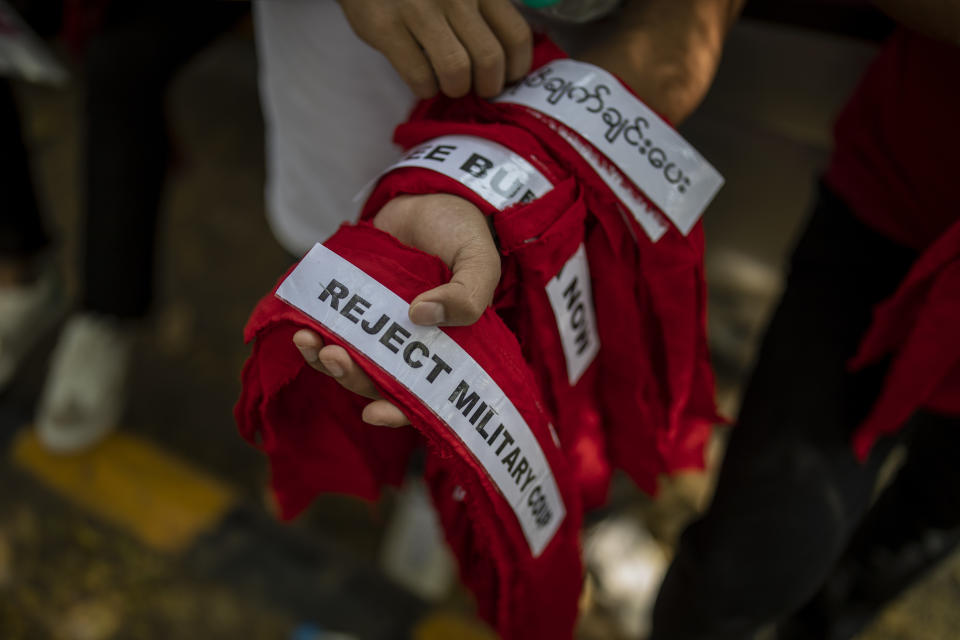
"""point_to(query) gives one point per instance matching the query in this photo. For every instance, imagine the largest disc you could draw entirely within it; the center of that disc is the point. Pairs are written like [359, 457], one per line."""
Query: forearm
[936, 18]
[668, 50]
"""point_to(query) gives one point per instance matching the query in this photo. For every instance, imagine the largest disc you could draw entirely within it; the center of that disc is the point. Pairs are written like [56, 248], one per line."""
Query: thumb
[456, 231]
[476, 272]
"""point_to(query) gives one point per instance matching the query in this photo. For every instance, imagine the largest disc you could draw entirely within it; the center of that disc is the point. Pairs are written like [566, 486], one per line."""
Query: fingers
[486, 55]
[384, 414]
[453, 45]
[334, 361]
[380, 25]
[380, 412]
[403, 52]
[309, 345]
[450, 60]
[460, 302]
[341, 366]
[513, 33]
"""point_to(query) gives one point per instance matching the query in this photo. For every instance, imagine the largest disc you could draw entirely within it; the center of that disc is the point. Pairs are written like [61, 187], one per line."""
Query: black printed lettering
[440, 152]
[529, 196]
[657, 157]
[497, 181]
[507, 440]
[439, 367]
[539, 508]
[476, 165]
[582, 341]
[476, 415]
[578, 316]
[464, 402]
[351, 306]
[375, 328]
[336, 291]
[511, 458]
[408, 354]
[530, 478]
[546, 515]
[517, 474]
[536, 499]
[395, 333]
[635, 132]
[417, 153]
[483, 423]
[677, 173]
[572, 293]
[495, 434]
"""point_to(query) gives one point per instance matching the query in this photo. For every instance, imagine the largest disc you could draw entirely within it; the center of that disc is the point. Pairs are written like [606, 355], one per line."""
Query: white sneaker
[27, 312]
[628, 565]
[414, 553]
[83, 396]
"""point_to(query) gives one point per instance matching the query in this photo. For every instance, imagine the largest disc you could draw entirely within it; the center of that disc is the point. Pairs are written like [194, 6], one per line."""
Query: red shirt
[895, 164]
[898, 139]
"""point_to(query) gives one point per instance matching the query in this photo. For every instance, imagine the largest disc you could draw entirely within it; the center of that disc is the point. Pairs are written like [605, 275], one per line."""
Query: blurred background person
[794, 520]
[131, 50]
[30, 295]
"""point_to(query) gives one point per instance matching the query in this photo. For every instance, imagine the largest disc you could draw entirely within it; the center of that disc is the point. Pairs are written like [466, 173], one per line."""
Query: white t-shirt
[330, 104]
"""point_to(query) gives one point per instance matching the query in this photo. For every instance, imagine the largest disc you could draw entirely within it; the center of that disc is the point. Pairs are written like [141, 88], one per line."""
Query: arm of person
[454, 230]
[938, 19]
[668, 51]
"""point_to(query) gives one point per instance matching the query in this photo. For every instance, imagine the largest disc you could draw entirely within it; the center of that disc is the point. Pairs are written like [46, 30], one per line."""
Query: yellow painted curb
[444, 625]
[159, 498]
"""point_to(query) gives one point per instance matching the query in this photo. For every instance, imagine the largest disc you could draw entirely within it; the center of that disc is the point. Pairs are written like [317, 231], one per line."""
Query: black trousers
[792, 509]
[128, 67]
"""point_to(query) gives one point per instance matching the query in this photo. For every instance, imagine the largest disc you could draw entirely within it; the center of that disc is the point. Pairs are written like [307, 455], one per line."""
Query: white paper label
[441, 374]
[571, 298]
[646, 149]
[492, 171]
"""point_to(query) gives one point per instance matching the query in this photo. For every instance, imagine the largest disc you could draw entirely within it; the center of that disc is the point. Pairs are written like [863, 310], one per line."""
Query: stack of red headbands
[655, 385]
[609, 318]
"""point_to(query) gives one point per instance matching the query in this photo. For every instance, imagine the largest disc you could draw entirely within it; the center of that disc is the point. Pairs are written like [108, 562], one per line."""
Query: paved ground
[162, 533]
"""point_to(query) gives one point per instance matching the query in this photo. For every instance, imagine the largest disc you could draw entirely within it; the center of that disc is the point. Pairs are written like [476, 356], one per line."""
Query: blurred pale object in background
[22, 53]
[628, 565]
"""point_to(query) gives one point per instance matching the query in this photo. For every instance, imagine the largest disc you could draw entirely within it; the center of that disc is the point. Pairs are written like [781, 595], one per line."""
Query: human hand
[453, 44]
[455, 231]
